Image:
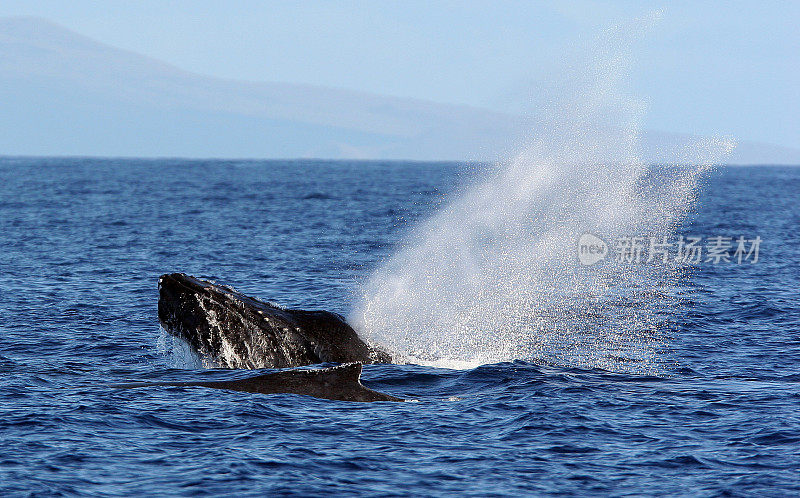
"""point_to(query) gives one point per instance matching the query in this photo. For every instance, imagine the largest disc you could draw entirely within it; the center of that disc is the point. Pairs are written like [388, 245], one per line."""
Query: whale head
[238, 331]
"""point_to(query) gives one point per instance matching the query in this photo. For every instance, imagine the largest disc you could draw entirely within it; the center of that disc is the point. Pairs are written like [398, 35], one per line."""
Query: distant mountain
[64, 94]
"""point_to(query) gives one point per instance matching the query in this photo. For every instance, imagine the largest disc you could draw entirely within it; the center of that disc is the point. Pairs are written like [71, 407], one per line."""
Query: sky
[706, 68]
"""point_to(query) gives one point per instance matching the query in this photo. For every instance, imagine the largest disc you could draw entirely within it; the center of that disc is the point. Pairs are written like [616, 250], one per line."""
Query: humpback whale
[336, 383]
[238, 331]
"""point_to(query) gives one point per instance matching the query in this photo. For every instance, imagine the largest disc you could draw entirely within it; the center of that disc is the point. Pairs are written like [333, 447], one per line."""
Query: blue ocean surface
[83, 242]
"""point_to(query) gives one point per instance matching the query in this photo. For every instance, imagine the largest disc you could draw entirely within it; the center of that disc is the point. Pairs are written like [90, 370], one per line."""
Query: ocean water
[83, 241]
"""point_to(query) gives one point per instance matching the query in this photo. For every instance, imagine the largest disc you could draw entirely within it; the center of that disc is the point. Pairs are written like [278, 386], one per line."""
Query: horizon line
[335, 160]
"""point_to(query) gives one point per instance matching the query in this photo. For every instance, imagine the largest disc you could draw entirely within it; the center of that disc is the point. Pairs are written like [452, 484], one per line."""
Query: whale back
[338, 383]
[341, 382]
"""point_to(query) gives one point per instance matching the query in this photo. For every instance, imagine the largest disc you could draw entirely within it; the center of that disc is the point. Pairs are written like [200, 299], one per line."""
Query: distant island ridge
[64, 94]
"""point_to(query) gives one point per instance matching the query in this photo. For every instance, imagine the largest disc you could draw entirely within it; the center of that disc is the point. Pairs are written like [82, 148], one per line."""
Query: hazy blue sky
[707, 67]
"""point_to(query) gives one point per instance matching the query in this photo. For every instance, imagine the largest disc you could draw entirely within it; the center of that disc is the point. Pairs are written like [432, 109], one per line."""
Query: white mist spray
[494, 275]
